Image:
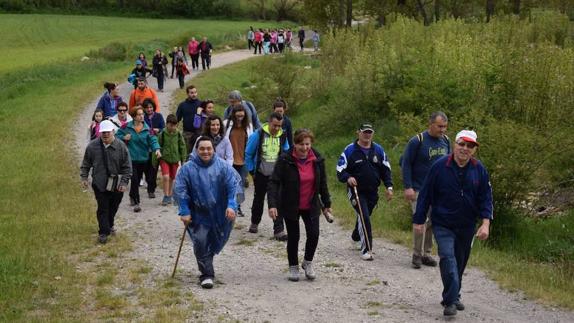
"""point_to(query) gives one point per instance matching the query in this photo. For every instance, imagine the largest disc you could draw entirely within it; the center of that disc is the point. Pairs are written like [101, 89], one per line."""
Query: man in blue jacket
[363, 165]
[458, 189]
[420, 153]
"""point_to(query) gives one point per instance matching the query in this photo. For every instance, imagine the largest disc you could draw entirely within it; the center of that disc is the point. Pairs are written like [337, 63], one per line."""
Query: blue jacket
[419, 156]
[156, 121]
[369, 170]
[455, 204]
[205, 191]
[140, 143]
[109, 104]
[254, 145]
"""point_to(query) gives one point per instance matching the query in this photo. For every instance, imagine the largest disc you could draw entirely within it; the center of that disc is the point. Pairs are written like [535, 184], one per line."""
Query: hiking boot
[294, 273]
[367, 256]
[207, 283]
[132, 202]
[308, 267]
[151, 195]
[113, 231]
[449, 310]
[239, 212]
[137, 208]
[253, 228]
[166, 200]
[417, 262]
[102, 238]
[280, 236]
[459, 305]
[429, 261]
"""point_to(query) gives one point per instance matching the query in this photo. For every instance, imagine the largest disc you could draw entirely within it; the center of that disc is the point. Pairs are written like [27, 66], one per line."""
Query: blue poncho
[205, 191]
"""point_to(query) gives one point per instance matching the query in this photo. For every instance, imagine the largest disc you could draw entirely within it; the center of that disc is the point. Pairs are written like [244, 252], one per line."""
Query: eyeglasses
[469, 145]
[122, 110]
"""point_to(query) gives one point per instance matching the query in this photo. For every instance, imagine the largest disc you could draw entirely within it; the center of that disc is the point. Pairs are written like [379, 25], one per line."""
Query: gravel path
[251, 271]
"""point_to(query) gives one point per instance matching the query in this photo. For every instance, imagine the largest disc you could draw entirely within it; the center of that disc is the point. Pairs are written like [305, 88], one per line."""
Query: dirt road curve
[251, 272]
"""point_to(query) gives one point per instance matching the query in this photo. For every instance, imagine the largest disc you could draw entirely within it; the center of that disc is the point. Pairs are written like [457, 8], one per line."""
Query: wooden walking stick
[179, 250]
[362, 220]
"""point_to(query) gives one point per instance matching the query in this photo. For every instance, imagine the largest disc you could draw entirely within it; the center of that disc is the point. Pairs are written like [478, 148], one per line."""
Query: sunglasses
[469, 145]
[367, 131]
[122, 110]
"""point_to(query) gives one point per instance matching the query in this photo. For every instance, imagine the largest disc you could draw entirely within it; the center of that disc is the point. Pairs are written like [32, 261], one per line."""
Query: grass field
[30, 40]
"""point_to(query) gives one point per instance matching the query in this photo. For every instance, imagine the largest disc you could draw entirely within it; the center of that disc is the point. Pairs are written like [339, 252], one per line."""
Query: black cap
[366, 126]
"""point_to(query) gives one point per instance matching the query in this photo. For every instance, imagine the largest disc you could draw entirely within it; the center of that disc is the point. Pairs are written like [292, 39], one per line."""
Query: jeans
[205, 61]
[195, 61]
[200, 235]
[368, 203]
[454, 250]
[108, 203]
[260, 187]
[312, 231]
[257, 45]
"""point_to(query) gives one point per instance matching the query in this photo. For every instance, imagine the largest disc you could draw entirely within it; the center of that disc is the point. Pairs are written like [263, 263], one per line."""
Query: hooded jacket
[140, 143]
[109, 104]
[258, 141]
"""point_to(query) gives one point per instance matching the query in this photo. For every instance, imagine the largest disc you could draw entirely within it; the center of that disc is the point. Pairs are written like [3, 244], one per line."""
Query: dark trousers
[172, 70]
[273, 48]
[301, 42]
[260, 187]
[205, 61]
[151, 175]
[250, 44]
[454, 250]
[257, 45]
[195, 61]
[108, 203]
[312, 231]
[360, 233]
[281, 47]
[138, 169]
[160, 79]
[181, 79]
[200, 235]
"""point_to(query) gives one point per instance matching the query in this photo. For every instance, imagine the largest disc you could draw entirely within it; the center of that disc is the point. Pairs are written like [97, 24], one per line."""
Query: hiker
[164, 64]
[263, 148]
[288, 38]
[301, 35]
[140, 142]
[142, 92]
[141, 57]
[266, 42]
[173, 56]
[206, 109]
[237, 129]
[315, 38]
[258, 41]
[181, 54]
[234, 98]
[181, 72]
[186, 111]
[281, 40]
[156, 124]
[280, 106]
[94, 128]
[139, 72]
[158, 62]
[273, 44]
[205, 50]
[363, 165]
[173, 152]
[110, 165]
[213, 129]
[205, 188]
[458, 190]
[121, 119]
[420, 153]
[193, 50]
[250, 38]
[298, 189]
[109, 100]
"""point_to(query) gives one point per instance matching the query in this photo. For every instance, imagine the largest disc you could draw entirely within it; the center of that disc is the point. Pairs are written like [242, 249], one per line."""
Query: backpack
[420, 137]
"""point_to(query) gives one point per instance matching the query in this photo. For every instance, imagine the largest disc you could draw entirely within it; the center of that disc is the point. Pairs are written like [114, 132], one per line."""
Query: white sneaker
[294, 273]
[308, 267]
[207, 283]
[367, 256]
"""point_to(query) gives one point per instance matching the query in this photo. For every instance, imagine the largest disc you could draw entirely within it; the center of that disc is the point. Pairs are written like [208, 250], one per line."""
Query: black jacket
[283, 187]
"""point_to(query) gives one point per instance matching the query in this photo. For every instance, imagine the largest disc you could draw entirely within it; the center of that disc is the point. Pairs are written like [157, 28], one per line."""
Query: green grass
[31, 40]
[519, 265]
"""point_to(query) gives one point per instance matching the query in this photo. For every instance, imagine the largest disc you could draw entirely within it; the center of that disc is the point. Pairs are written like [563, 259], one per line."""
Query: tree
[489, 9]
[516, 7]
[260, 8]
[349, 19]
[284, 8]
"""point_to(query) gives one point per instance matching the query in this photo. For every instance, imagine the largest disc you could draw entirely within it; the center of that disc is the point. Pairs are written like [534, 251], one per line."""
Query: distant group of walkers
[269, 41]
[205, 166]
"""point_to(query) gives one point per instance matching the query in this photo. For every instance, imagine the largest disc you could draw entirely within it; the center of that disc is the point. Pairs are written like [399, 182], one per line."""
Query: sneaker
[449, 310]
[308, 267]
[151, 195]
[417, 262]
[132, 202]
[207, 283]
[367, 256]
[429, 261]
[102, 238]
[137, 208]
[294, 273]
[239, 212]
[280, 236]
[459, 305]
[246, 183]
[142, 182]
[166, 200]
[355, 236]
[253, 228]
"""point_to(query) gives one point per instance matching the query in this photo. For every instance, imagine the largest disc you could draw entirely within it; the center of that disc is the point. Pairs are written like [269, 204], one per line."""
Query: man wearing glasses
[458, 189]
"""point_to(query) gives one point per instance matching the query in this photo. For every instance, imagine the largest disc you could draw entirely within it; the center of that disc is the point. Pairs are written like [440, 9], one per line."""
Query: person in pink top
[298, 189]
[273, 48]
[258, 41]
[193, 49]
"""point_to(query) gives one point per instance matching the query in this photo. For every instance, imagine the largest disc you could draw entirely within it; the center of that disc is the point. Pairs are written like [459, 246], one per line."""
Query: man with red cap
[458, 189]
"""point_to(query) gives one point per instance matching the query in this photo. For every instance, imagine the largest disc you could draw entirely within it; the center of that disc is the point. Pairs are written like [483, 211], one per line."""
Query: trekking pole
[362, 220]
[179, 250]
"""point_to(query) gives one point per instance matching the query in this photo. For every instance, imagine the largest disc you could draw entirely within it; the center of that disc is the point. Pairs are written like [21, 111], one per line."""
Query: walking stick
[362, 220]
[179, 250]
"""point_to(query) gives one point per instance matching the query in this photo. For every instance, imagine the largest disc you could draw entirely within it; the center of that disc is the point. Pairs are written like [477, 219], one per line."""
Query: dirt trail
[251, 271]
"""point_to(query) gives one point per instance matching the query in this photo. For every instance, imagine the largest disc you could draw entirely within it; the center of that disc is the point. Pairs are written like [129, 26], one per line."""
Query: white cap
[467, 135]
[107, 125]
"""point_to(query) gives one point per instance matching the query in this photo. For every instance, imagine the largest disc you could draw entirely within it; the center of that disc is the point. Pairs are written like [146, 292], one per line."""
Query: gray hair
[437, 114]
[234, 95]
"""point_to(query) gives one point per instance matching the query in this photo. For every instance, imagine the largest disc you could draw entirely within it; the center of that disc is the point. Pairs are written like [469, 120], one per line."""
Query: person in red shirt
[193, 49]
[258, 41]
[140, 93]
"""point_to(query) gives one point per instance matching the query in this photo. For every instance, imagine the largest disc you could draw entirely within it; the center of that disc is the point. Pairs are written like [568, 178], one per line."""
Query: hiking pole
[179, 250]
[362, 220]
